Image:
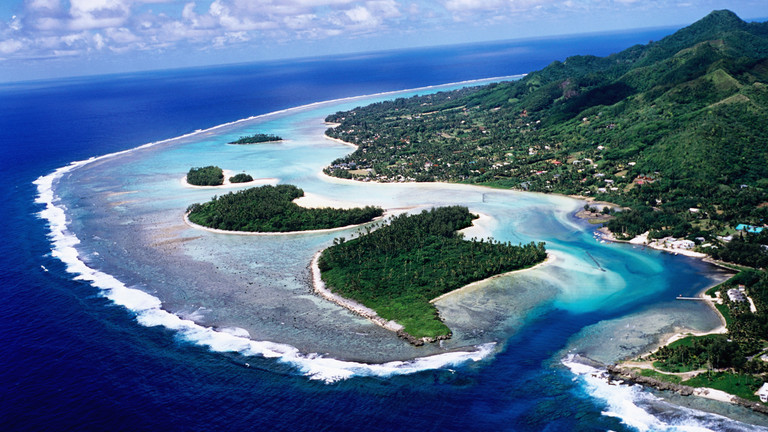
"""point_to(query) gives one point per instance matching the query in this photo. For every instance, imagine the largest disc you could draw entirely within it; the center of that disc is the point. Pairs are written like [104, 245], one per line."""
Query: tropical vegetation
[271, 209]
[730, 362]
[256, 139]
[206, 176]
[240, 178]
[397, 268]
[673, 130]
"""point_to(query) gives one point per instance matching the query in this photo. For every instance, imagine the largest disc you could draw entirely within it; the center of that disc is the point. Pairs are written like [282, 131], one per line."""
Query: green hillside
[663, 128]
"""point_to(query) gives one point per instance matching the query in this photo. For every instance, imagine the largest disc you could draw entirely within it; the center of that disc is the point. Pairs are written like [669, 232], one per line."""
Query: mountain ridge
[685, 113]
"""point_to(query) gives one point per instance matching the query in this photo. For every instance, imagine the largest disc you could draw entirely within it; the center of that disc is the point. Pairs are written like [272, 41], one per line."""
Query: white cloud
[47, 27]
[10, 46]
[360, 15]
[465, 5]
[98, 39]
[50, 27]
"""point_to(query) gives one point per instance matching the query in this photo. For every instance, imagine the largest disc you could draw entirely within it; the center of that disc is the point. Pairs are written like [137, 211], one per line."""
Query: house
[736, 296]
[643, 179]
[763, 393]
[683, 244]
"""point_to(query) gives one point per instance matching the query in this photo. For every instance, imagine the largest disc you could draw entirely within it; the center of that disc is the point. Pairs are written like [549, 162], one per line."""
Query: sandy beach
[355, 146]
[357, 308]
[227, 184]
[310, 200]
[642, 240]
[251, 233]
[550, 259]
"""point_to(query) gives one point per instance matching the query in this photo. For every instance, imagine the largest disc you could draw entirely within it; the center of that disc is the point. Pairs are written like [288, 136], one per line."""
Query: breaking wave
[638, 409]
[149, 311]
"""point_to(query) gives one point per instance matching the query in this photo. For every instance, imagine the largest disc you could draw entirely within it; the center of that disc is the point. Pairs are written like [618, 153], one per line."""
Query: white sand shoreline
[354, 146]
[227, 184]
[550, 259]
[355, 307]
[251, 233]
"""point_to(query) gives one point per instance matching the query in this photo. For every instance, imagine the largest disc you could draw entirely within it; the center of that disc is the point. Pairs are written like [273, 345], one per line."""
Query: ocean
[78, 354]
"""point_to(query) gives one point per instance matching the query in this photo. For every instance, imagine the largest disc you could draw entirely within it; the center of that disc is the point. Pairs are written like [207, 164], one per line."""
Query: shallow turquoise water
[136, 201]
[245, 301]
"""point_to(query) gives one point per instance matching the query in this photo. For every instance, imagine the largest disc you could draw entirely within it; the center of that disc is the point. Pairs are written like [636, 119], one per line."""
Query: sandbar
[227, 184]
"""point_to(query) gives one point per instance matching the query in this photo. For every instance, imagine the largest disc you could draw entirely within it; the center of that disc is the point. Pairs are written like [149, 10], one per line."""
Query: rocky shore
[617, 372]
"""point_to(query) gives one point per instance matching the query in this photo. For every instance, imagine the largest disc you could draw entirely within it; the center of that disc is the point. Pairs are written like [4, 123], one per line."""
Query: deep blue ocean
[72, 360]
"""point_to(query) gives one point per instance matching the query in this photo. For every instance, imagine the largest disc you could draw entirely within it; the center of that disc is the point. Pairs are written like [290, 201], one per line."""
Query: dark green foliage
[630, 223]
[240, 178]
[747, 333]
[745, 248]
[687, 111]
[697, 353]
[739, 384]
[270, 209]
[257, 138]
[398, 268]
[205, 176]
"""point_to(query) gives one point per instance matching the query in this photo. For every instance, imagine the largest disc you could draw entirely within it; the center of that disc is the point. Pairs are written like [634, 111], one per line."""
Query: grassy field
[660, 376]
[742, 385]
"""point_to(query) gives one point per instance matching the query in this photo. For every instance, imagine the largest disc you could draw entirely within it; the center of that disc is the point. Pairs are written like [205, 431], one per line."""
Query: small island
[397, 269]
[206, 176]
[271, 209]
[241, 178]
[257, 139]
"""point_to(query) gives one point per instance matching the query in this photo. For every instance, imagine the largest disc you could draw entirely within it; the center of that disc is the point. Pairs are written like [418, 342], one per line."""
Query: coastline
[252, 233]
[354, 146]
[355, 307]
[366, 312]
[227, 184]
[642, 240]
[550, 259]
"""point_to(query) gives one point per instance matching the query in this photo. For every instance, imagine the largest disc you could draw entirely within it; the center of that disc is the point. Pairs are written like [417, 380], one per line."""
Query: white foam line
[149, 312]
[625, 402]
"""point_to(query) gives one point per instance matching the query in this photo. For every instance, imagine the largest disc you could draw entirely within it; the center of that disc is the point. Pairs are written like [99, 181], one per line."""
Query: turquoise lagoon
[252, 294]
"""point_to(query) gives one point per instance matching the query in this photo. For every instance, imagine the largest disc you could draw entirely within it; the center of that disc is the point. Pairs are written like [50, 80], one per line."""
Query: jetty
[691, 298]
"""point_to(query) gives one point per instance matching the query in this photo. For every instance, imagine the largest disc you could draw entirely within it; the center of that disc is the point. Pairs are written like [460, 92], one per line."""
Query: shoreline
[256, 233]
[549, 260]
[226, 184]
[319, 288]
[642, 240]
[366, 312]
[349, 144]
[330, 179]
[628, 369]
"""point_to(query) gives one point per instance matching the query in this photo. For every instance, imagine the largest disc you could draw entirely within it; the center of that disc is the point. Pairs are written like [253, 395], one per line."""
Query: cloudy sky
[49, 38]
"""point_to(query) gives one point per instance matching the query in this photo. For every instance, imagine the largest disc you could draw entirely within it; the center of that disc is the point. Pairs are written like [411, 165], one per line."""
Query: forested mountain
[663, 128]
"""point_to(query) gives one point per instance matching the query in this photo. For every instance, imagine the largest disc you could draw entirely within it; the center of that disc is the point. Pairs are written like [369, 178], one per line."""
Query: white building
[763, 393]
[683, 244]
[736, 295]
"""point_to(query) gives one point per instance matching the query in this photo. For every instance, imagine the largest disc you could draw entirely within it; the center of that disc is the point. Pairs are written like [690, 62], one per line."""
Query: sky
[57, 38]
